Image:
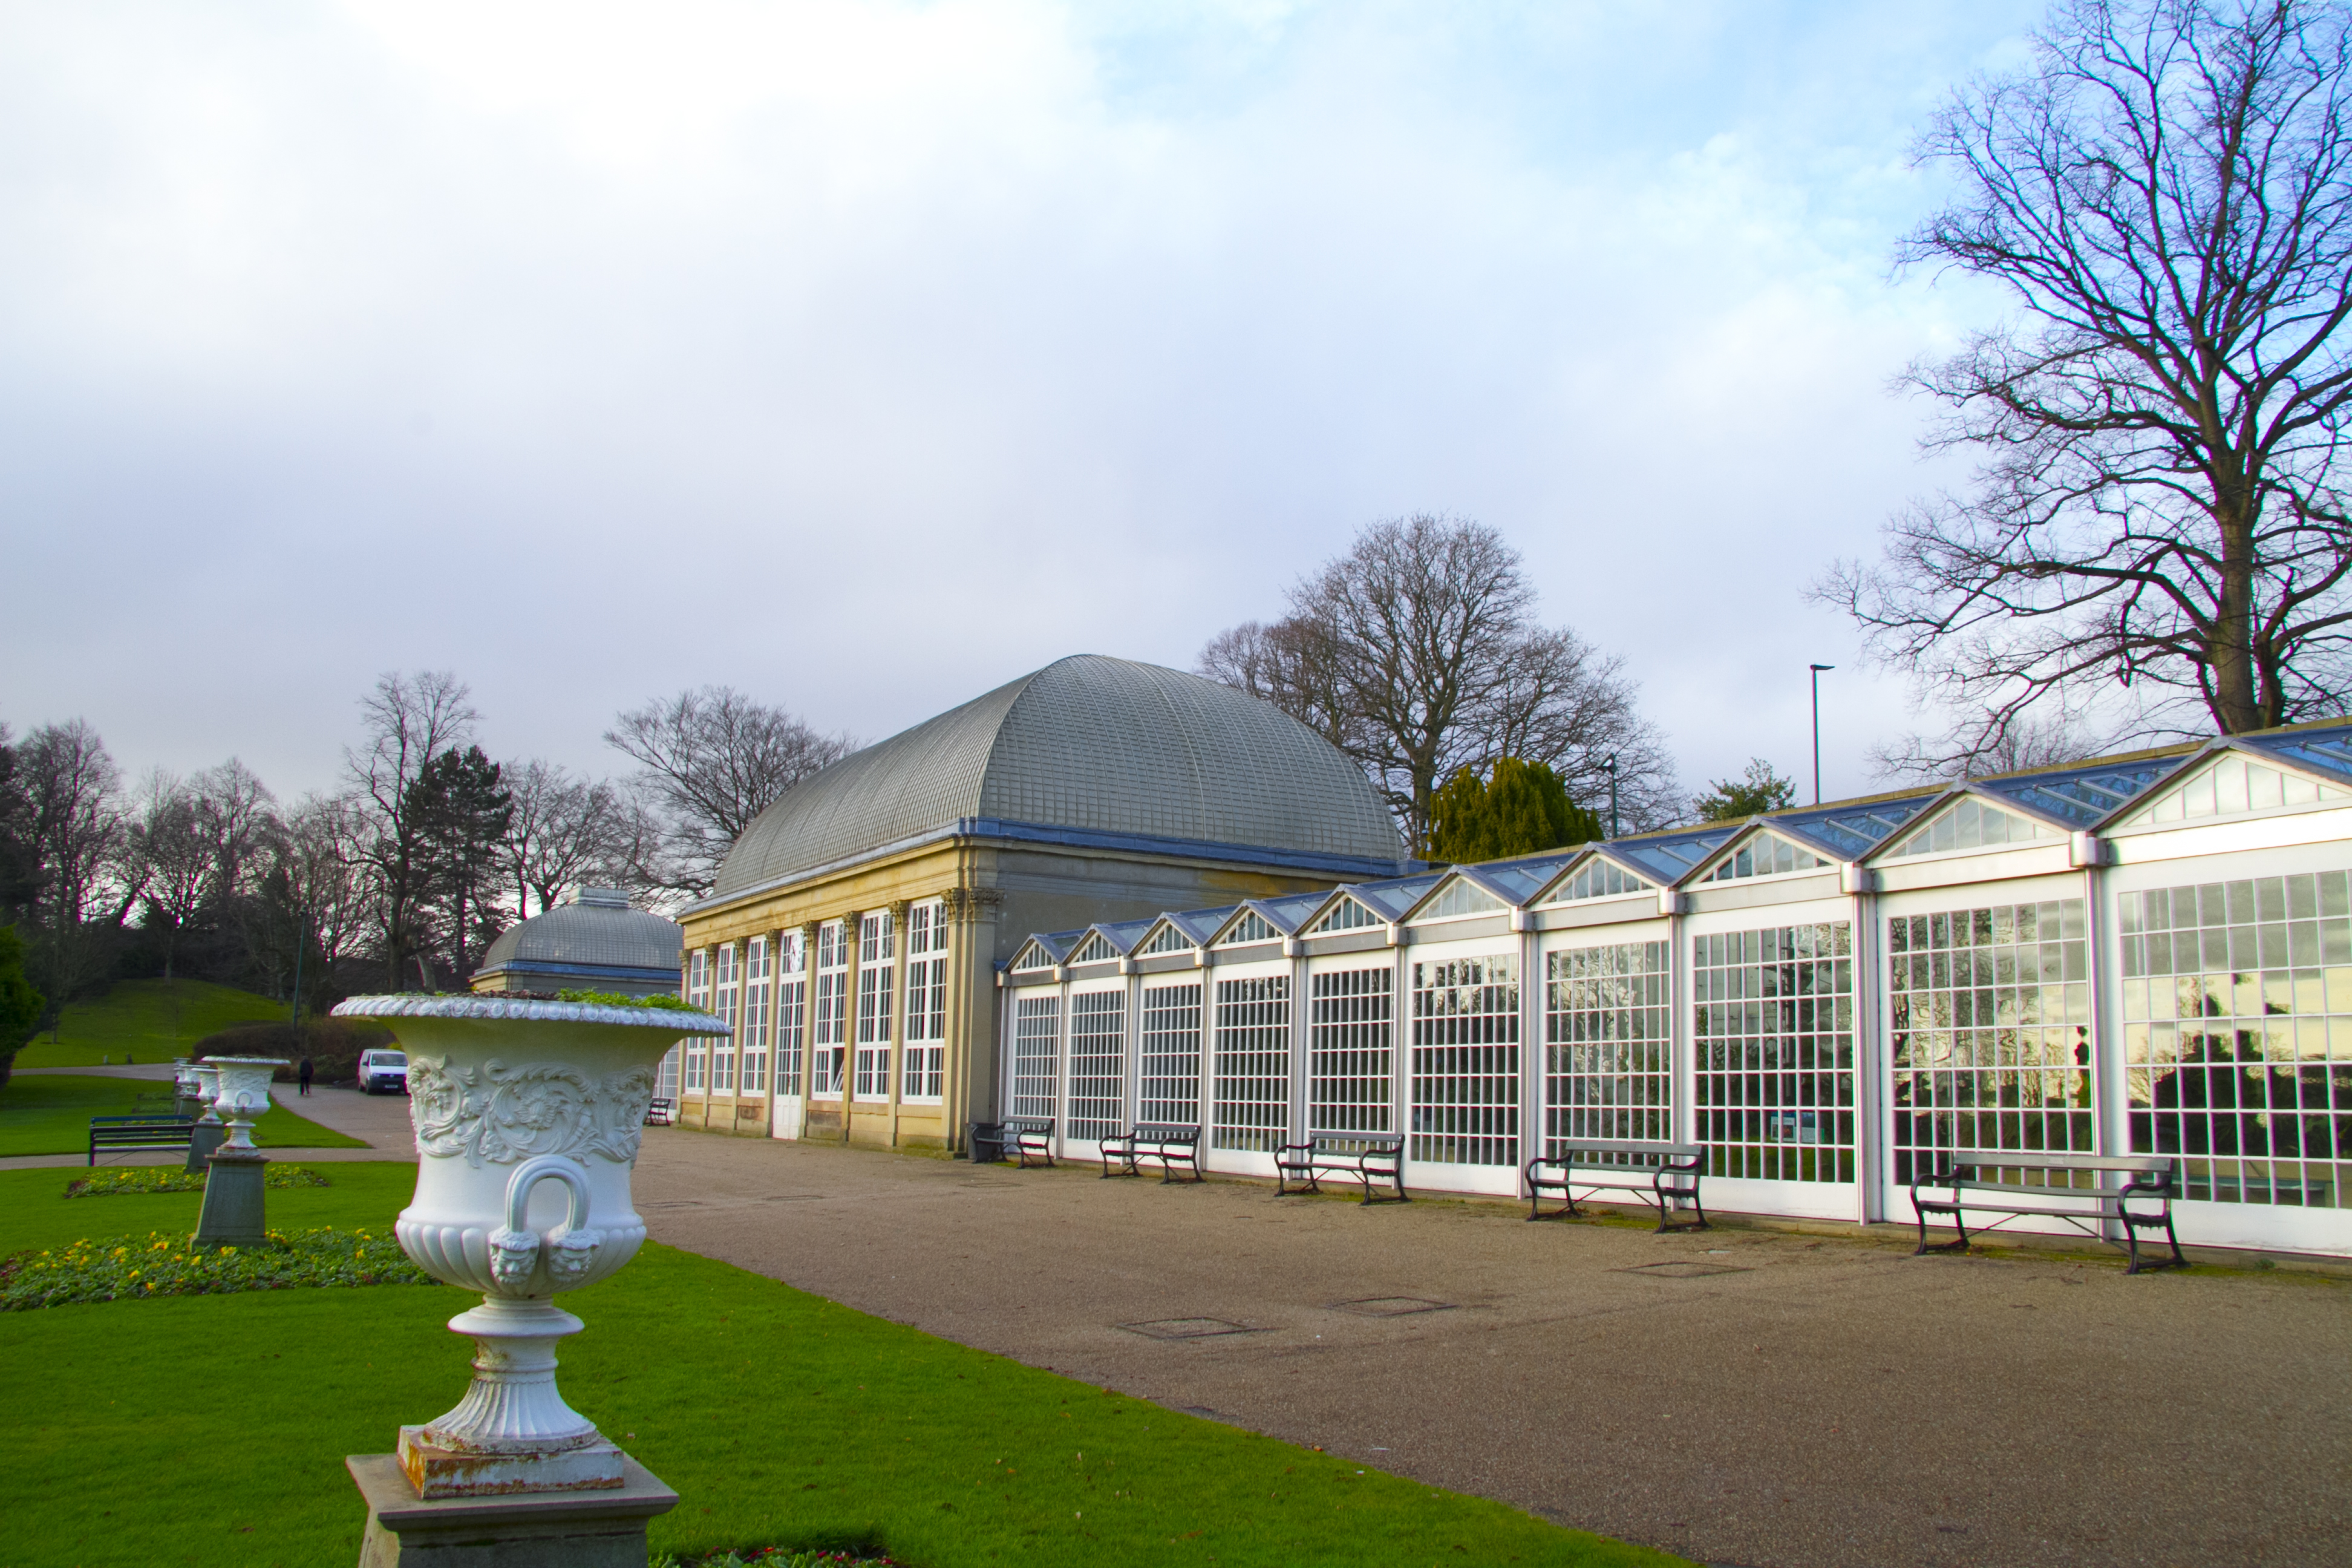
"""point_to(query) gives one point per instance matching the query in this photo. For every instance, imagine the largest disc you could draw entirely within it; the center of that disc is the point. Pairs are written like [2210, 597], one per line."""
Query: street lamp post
[1612, 796]
[1817, 729]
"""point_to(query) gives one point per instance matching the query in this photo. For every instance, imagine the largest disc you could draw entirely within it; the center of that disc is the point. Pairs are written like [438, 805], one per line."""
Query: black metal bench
[661, 1111]
[1664, 1175]
[2151, 1180]
[1164, 1142]
[1366, 1160]
[1018, 1138]
[122, 1133]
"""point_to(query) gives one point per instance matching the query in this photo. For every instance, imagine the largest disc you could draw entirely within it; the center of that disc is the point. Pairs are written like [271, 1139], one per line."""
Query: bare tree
[2157, 520]
[1292, 664]
[1417, 653]
[175, 868]
[410, 720]
[195, 843]
[76, 824]
[712, 760]
[565, 830]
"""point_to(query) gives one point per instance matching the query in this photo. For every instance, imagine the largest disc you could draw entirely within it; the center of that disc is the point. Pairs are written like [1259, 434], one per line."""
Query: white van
[383, 1073]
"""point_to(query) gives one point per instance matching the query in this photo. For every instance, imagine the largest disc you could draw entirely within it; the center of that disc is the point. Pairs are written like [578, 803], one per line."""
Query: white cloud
[866, 354]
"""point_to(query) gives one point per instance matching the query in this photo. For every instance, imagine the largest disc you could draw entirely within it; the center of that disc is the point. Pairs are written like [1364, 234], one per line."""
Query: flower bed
[115, 1270]
[130, 1180]
[772, 1557]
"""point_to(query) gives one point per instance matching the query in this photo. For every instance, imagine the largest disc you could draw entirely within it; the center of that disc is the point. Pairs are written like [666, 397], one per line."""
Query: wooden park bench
[1365, 1160]
[1164, 1142]
[1018, 1138]
[124, 1133]
[1664, 1175]
[661, 1111]
[2150, 1181]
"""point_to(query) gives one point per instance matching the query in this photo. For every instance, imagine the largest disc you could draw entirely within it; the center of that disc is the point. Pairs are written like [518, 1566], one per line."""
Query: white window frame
[1104, 1096]
[726, 988]
[923, 1072]
[696, 1077]
[827, 1060]
[791, 1010]
[877, 948]
[759, 988]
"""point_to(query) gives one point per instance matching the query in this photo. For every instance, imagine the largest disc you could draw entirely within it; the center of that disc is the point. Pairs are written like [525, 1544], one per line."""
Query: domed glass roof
[600, 930]
[1101, 745]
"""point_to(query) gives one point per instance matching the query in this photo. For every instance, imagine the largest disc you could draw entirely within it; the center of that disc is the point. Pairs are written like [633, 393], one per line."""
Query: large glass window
[1465, 1061]
[1608, 1025]
[1773, 1031]
[759, 984]
[832, 1008]
[1036, 1047]
[1351, 1087]
[876, 958]
[792, 1009]
[1253, 1063]
[926, 1002]
[1989, 1014]
[2237, 1003]
[1098, 1053]
[698, 994]
[666, 1084]
[726, 980]
[1169, 1087]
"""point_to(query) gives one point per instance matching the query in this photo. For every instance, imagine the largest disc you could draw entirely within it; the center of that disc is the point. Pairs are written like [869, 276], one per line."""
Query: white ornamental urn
[243, 1096]
[528, 1116]
[207, 1078]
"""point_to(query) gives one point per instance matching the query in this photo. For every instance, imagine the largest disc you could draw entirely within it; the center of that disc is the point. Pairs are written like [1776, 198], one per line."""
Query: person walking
[305, 1071]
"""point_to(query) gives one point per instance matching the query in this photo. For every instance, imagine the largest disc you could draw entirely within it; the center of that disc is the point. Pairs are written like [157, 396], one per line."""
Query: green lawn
[48, 1113]
[148, 1020]
[212, 1429]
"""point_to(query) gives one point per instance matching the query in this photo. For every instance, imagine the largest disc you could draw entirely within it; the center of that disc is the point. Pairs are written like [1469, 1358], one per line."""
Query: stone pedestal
[232, 1213]
[203, 1138]
[601, 1529]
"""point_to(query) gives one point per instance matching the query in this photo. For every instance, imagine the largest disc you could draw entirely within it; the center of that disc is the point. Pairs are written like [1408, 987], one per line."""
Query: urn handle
[570, 1247]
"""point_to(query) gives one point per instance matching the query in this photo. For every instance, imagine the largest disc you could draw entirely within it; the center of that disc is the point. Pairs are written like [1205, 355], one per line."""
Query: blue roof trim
[2080, 797]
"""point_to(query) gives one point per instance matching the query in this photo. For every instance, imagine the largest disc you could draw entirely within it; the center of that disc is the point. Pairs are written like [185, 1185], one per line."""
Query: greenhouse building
[1111, 894]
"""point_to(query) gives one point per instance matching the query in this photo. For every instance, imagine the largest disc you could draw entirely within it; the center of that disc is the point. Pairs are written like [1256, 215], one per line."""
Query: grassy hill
[145, 1020]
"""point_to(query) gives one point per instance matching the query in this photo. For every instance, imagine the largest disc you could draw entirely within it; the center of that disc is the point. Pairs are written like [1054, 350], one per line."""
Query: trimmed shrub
[334, 1046]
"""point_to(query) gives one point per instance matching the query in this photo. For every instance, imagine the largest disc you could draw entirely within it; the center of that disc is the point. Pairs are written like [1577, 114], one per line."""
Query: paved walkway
[1742, 1396]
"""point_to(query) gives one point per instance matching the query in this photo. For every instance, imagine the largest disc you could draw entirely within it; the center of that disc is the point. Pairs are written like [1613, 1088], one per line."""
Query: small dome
[1102, 745]
[595, 939]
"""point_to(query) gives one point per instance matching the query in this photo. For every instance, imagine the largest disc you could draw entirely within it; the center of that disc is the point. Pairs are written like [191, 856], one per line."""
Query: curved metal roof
[601, 930]
[1090, 743]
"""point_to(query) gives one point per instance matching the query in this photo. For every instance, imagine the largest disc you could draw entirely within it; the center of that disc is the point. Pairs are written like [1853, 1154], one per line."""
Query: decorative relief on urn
[500, 1114]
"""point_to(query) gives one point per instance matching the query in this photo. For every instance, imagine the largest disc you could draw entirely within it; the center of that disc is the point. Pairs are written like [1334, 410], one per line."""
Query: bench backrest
[2039, 1160]
[97, 1122]
[1166, 1132]
[1573, 1150]
[1041, 1126]
[1357, 1144]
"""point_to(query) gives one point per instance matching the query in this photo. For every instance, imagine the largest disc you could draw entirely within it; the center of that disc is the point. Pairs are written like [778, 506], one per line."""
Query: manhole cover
[1186, 1328]
[1391, 1306]
[1684, 1269]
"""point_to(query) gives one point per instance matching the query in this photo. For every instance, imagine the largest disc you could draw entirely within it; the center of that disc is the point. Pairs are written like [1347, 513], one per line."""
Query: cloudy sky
[864, 355]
